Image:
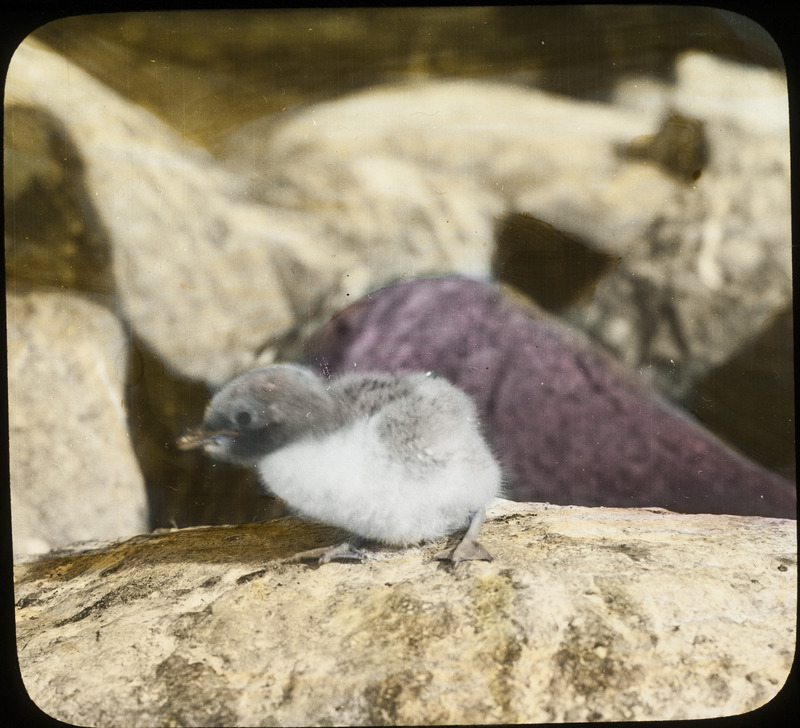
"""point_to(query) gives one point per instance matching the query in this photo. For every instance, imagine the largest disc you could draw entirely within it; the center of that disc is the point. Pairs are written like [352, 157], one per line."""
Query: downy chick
[393, 459]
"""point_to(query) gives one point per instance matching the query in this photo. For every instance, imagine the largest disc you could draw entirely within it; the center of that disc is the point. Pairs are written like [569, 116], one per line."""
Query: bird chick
[393, 459]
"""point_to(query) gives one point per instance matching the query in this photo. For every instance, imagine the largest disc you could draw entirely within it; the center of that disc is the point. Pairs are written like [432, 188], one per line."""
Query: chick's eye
[243, 418]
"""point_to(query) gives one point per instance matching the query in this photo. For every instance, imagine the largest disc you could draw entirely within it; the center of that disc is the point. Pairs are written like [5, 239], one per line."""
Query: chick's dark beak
[200, 437]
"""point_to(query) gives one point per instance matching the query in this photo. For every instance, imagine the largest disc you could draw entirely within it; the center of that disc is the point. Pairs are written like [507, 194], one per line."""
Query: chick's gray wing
[428, 426]
[368, 394]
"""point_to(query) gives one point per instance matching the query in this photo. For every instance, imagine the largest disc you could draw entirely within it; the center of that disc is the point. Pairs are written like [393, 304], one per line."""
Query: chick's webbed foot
[345, 551]
[468, 548]
[465, 551]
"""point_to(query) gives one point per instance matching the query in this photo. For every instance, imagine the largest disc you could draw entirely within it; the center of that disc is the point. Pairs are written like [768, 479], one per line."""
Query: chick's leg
[345, 551]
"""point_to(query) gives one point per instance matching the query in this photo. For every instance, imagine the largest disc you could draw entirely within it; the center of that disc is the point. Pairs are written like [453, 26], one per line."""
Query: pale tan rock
[214, 281]
[220, 269]
[712, 264]
[502, 137]
[702, 264]
[73, 472]
[584, 614]
[192, 261]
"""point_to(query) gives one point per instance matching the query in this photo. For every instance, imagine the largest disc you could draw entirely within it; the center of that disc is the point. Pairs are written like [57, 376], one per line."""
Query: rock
[706, 265]
[73, 473]
[165, 206]
[209, 280]
[568, 424]
[702, 264]
[501, 137]
[259, 60]
[54, 237]
[62, 164]
[405, 181]
[585, 614]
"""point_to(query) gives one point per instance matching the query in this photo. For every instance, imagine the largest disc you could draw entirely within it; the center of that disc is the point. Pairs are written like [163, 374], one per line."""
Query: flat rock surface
[584, 614]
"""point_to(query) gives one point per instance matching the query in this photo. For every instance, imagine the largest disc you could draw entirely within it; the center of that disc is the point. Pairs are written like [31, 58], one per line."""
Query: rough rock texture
[568, 424]
[585, 614]
[712, 264]
[73, 472]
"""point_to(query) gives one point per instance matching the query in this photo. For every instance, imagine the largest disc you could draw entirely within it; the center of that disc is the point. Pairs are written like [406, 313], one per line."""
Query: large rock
[259, 61]
[711, 265]
[73, 472]
[584, 615]
[568, 424]
[210, 279]
[218, 269]
[192, 261]
[702, 263]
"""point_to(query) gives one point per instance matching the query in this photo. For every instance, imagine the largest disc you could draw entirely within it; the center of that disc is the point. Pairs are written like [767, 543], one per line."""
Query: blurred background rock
[177, 181]
[264, 62]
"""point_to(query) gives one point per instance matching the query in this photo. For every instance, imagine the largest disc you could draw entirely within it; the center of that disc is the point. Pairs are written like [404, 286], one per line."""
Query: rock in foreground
[584, 614]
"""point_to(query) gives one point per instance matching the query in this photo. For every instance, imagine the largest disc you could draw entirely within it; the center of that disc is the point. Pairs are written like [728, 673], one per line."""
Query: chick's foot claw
[465, 551]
